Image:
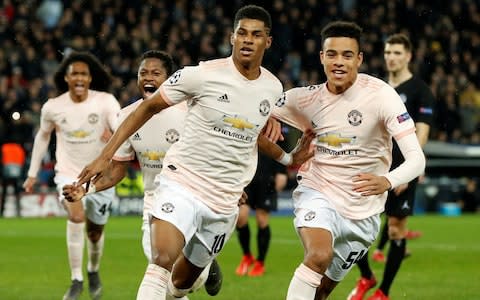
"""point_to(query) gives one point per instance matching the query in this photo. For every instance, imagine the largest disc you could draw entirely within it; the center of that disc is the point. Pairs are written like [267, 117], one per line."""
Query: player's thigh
[75, 210]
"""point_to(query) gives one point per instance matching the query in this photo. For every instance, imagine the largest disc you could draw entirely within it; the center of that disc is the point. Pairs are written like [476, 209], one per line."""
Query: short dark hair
[342, 29]
[162, 56]
[254, 12]
[400, 38]
[101, 79]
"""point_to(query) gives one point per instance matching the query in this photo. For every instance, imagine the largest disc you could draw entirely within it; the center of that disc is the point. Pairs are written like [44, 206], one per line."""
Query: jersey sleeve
[46, 121]
[184, 84]
[395, 116]
[125, 151]
[286, 110]
[426, 105]
[112, 111]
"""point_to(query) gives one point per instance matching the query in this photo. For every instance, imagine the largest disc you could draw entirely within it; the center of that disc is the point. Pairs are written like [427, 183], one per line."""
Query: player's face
[151, 74]
[341, 59]
[396, 57]
[249, 42]
[78, 79]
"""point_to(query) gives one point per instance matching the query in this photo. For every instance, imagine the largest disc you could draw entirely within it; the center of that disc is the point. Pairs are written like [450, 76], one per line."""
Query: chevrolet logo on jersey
[78, 134]
[238, 123]
[335, 140]
[153, 155]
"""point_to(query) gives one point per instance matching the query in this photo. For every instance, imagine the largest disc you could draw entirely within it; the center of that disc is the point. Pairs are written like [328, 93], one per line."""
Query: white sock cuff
[176, 292]
[75, 227]
[158, 272]
[308, 275]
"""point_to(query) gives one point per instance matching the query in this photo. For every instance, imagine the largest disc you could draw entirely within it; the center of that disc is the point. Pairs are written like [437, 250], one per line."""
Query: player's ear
[360, 59]
[269, 42]
[231, 38]
[409, 56]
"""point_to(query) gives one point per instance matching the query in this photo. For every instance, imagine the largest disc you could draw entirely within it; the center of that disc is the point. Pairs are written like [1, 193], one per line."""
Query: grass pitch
[33, 261]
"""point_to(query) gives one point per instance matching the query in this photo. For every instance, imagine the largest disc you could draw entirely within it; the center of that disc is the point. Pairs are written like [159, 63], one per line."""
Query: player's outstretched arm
[106, 179]
[302, 152]
[129, 126]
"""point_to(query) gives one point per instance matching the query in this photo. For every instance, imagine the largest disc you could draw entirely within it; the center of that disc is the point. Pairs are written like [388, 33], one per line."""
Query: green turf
[33, 264]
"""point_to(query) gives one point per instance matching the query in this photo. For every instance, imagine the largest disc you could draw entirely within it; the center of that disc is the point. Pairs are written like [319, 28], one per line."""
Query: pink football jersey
[354, 133]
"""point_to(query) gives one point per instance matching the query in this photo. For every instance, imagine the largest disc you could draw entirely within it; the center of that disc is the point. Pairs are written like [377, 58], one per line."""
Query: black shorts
[262, 194]
[401, 205]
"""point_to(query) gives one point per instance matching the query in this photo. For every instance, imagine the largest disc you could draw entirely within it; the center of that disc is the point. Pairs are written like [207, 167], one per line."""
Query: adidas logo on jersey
[136, 137]
[223, 98]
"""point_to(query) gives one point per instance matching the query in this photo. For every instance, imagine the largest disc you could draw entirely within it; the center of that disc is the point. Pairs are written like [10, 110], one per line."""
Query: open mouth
[79, 88]
[149, 89]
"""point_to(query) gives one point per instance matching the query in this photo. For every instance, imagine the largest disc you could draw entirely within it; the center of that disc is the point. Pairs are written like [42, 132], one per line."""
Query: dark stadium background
[35, 35]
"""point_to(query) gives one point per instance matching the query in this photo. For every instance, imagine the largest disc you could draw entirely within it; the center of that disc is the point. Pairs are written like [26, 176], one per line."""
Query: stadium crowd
[36, 34]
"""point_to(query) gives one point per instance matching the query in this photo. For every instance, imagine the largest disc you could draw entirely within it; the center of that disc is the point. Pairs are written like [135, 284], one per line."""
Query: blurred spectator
[13, 163]
[470, 198]
[49, 12]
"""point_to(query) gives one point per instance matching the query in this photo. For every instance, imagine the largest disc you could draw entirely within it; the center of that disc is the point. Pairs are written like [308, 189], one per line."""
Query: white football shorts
[351, 238]
[205, 231]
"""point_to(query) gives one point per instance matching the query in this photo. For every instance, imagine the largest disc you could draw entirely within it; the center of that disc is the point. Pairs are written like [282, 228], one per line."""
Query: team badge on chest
[264, 108]
[355, 117]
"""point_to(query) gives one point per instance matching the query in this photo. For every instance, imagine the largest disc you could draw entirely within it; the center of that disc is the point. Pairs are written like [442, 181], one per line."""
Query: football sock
[75, 244]
[263, 241]
[154, 283]
[95, 251]
[244, 238]
[383, 237]
[364, 266]
[174, 292]
[304, 283]
[394, 260]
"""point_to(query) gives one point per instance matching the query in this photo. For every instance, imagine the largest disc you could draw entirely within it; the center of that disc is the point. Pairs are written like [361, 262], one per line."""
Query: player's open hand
[304, 149]
[92, 170]
[273, 130]
[370, 184]
[73, 192]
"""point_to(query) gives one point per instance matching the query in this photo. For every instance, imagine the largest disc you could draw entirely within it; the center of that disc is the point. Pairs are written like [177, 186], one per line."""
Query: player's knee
[396, 232]
[163, 259]
[318, 260]
[94, 236]
[77, 217]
